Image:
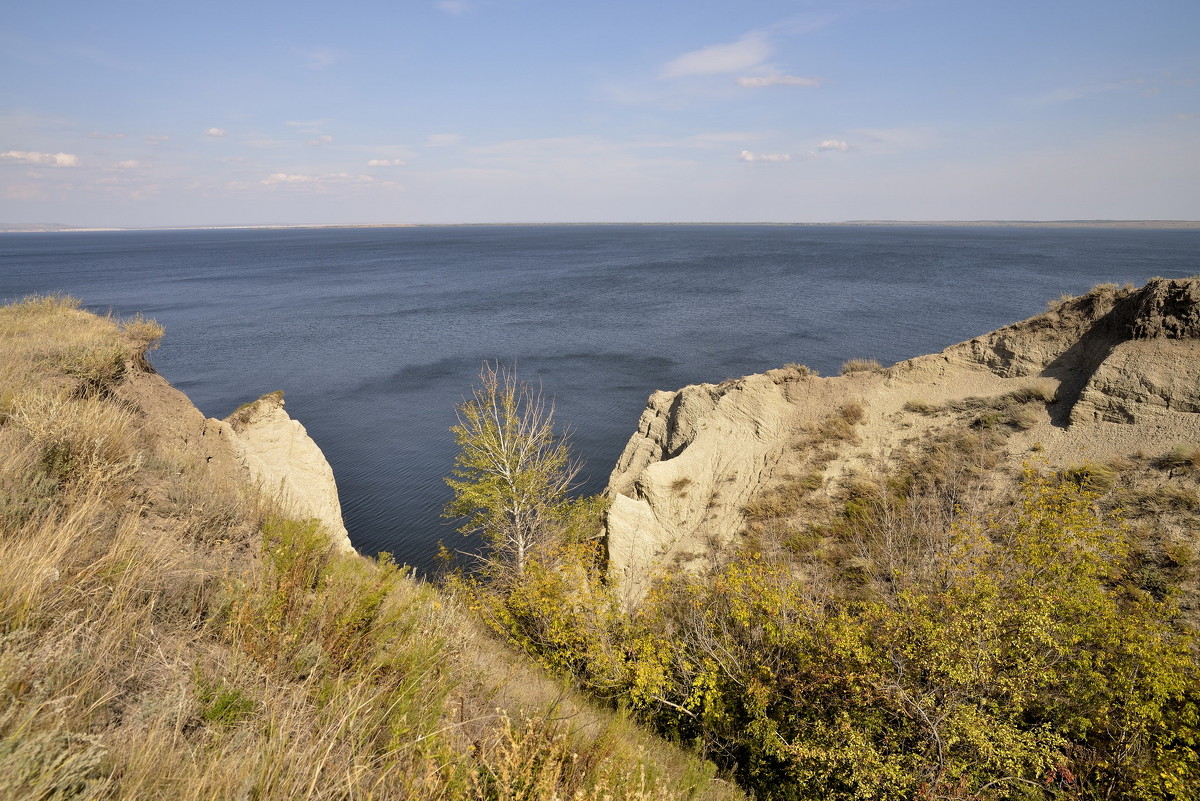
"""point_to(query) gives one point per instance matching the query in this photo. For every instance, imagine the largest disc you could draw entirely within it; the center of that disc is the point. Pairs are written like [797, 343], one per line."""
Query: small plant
[1030, 393]
[1090, 477]
[802, 370]
[853, 413]
[922, 407]
[224, 705]
[861, 366]
[680, 484]
[1181, 457]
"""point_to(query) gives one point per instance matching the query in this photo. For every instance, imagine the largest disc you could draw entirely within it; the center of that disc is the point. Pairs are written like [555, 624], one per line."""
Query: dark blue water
[375, 334]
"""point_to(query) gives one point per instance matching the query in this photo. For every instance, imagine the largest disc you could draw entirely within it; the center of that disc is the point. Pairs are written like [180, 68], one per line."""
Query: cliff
[1111, 375]
[259, 444]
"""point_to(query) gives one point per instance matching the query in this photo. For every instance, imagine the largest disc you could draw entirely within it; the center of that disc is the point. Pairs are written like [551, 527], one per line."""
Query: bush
[1017, 663]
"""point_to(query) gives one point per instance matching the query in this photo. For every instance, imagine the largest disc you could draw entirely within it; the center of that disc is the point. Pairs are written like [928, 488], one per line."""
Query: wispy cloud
[765, 158]
[100, 135]
[41, 159]
[128, 165]
[386, 163]
[760, 81]
[834, 144]
[215, 132]
[746, 53]
[157, 139]
[323, 139]
[286, 178]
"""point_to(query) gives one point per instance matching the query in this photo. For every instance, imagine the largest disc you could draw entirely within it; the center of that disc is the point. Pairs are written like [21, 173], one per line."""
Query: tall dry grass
[165, 634]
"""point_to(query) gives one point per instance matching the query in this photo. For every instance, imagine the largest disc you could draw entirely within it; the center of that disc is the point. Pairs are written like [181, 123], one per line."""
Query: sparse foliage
[513, 470]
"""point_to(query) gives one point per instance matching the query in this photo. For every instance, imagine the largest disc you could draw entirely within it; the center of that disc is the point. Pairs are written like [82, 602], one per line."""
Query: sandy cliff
[258, 443]
[284, 460]
[1111, 373]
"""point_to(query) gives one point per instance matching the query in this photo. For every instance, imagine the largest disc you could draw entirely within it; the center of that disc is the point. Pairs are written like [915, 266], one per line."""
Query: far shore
[16, 228]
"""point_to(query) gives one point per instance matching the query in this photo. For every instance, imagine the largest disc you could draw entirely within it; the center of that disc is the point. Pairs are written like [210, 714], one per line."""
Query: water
[375, 334]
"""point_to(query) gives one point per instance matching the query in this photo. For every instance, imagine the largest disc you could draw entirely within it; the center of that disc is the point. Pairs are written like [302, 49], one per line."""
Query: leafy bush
[1018, 668]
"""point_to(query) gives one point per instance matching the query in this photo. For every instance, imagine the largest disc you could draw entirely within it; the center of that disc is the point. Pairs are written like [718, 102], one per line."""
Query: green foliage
[223, 705]
[513, 470]
[1021, 665]
[558, 610]
[313, 609]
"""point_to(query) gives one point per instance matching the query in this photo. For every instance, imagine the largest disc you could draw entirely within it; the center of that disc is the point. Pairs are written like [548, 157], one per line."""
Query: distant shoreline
[46, 228]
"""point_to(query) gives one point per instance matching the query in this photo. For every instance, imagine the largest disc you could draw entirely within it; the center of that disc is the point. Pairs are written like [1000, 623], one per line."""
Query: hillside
[182, 617]
[1107, 384]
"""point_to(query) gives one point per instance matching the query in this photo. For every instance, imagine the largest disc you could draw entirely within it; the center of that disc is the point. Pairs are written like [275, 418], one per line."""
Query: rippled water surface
[374, 334]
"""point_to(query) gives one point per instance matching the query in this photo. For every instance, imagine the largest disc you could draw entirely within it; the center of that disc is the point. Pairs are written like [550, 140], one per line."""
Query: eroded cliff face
[286, 462]
[1121, 366]
[259, 444]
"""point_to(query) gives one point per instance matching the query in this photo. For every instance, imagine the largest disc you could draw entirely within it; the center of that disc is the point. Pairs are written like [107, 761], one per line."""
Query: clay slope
[1104, 376]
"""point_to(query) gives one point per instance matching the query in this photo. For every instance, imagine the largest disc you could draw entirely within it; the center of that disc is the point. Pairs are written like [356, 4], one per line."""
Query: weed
[922, 407]
[1090, 477]
[1181, 457]
[801, 370]
[861, 366]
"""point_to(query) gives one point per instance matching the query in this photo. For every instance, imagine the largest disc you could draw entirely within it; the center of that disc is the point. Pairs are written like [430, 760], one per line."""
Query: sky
[179, 113]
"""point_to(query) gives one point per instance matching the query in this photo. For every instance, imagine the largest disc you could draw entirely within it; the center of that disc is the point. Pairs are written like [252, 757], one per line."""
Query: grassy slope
[164, 634]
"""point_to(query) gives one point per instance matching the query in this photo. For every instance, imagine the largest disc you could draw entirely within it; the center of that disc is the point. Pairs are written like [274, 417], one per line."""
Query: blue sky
[418, 111]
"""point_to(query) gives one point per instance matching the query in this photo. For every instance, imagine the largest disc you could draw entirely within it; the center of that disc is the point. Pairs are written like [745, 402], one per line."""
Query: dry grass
[861, 366]
[162, 635]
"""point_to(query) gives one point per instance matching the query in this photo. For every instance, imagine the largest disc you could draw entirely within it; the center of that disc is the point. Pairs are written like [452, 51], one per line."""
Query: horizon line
[1064, 223]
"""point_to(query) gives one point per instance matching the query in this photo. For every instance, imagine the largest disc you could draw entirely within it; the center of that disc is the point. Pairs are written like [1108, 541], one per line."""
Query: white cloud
[833, 144]
[443, 139]
[746, 53]
[128, 165]
[759, 81]
[215, 132]
[454, 7]
[386, 163]
[767, 158]
[44, 159]
[318, 180]
[323, 139]
[289, 178]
